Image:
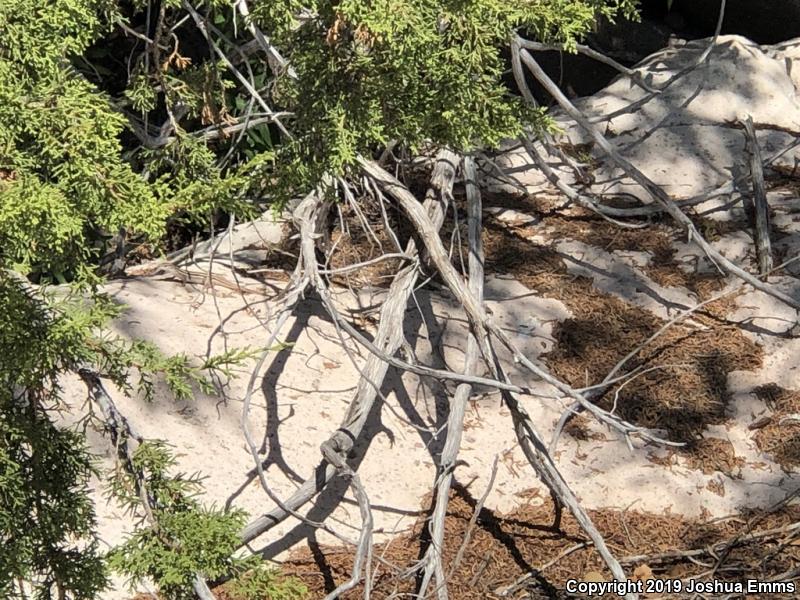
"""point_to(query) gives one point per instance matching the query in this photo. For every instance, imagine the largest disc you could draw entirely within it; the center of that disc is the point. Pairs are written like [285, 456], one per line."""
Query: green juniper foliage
[179, 536]
[416, 71]
[261, 582]
[59, 141]
[104, 132]
[46, 514]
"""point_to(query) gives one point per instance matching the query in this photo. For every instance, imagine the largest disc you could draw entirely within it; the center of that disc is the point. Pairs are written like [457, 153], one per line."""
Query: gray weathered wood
[758, 207]
[389, 337]
[657, 193]
[455, 420]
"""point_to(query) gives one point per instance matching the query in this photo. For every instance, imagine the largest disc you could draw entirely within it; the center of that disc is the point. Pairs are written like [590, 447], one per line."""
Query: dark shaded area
[764, 22]
[767, 22]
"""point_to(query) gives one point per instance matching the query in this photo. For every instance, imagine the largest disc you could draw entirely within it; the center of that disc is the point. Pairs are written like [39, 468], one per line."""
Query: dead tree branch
[455, 422]
[309, 211]
[336, 449]
[121, 432]
[201, 25]
[656, 192]
[388, 338]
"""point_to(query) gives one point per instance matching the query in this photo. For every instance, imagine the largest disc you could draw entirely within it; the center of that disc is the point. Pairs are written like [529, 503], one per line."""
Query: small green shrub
[262, 583]
[177, 536]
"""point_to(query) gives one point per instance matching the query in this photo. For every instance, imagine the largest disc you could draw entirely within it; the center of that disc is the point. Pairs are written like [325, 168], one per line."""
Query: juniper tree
[121, 120]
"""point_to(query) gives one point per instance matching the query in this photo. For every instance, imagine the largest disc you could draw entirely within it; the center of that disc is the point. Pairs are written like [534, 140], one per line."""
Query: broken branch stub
[759, 207]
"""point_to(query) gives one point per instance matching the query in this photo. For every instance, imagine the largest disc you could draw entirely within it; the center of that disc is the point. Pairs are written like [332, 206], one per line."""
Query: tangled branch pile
[129, 128]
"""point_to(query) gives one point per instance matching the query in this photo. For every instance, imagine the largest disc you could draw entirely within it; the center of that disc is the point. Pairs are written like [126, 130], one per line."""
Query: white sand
[308, 387]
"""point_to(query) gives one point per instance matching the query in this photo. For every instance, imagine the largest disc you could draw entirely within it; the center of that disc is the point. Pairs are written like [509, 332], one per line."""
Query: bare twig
[717, 30]
[509, 589]
[713, 550]
[605, 212]
[476, 314]
[476, 513]
[201, 25]
[308, 215]
[599, 57]
[276, 60]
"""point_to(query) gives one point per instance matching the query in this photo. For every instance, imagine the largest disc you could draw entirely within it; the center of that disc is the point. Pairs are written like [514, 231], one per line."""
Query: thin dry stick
[332, 450]
[605, 212]
[276, 61]
[309, 209]
[200, 23]
[658, 194]
[455, 420]
[518, 583]
[476, 513]
[721, 555]
[707, 52]
[714, 549]
[635, 76]
[363, 555]
[552, 177]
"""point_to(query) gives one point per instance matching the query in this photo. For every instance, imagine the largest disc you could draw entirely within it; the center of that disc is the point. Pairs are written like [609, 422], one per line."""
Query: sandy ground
[304, 390]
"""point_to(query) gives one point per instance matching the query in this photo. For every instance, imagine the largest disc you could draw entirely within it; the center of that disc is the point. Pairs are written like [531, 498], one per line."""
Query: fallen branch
[605, 212]
[455, 422]
[310, 213]
[336, 449]
[657, 193]
[388, 338]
